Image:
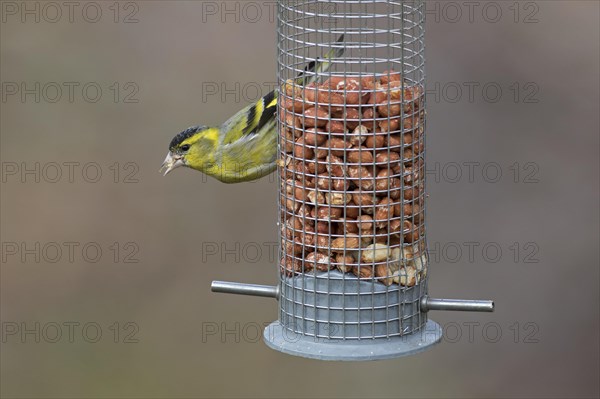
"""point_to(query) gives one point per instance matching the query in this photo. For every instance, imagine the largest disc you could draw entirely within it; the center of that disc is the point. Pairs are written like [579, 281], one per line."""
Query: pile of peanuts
[352, 178]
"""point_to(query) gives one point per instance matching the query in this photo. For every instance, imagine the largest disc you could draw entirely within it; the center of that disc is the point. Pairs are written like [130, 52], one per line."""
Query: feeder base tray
[281, 339]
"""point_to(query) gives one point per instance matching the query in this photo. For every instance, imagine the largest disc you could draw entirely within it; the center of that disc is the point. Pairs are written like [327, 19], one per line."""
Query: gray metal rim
[283, 340]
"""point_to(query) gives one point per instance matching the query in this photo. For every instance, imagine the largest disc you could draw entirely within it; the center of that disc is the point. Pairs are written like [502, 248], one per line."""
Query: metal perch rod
[427, 303]
[227, 287]
[466, 305]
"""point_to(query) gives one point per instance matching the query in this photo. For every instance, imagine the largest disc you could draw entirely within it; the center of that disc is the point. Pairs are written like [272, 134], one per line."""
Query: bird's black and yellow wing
[254, 117]
[250, 119]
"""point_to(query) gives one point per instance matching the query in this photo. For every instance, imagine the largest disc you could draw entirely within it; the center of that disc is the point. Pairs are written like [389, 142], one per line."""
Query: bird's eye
[185, 147]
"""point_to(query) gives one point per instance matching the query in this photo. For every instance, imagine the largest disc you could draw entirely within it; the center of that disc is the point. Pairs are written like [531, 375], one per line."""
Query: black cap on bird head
[176, 156]
[186, 134]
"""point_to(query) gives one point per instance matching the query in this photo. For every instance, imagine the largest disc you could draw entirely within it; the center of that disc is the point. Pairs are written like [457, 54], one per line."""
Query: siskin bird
[244, 148]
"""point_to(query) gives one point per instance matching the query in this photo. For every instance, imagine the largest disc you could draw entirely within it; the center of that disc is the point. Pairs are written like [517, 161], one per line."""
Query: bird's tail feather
[315, 68]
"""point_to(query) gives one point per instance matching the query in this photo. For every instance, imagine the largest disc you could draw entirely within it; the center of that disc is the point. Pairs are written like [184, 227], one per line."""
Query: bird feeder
[354, 265]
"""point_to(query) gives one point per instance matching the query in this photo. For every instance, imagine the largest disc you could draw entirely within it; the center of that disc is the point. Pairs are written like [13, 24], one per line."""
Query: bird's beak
[171, 162]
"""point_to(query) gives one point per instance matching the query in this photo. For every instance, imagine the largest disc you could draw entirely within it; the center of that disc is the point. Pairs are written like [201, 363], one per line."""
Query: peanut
[292, 247]
[301, 150]
[363, 272]
[337, 146]
[366, 237]
[287, 140]
[337, 199]
[350, 226]
[382, 215]
[308, 236]
[321, 95]
[394, 226]
[315, 117]
[296, 189]
[292, 225]
[314, 137]
[315, 197]
[411, 193]
[331, 101]
[359, 135]
[310, 93]
[385, 181]
[352, 211]
[414, 232]
[351, 89]
[335, 127]
[416, 212]
[300, 170]
[383, 274]
[368, 82]
[323, 241]
[323, 228]
[375, 141]
[394, 140]
[378, 96]
[318, 261]
[326, 213]
[386, 157]
[335, 166]
[291, 89]
[304, 211]
[368, 119]
[362, 199]
[412, 174]
[365, 222]
[352, 117]
[295, 105]
[360, 155]
[292, 122]
[389, 125]
[407, 276]
[341, 244]
[324, 182]
[390, 76]
[389, 109]
[361, 176]
[290, 266]
[344, 263]
[315, 167]
[333, 82]
[290, 204]
[375, 253]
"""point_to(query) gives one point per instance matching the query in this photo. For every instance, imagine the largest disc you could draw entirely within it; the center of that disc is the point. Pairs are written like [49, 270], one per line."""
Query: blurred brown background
[186, 230]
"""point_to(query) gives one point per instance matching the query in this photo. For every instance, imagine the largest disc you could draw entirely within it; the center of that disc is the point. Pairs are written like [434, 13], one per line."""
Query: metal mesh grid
[352, 183]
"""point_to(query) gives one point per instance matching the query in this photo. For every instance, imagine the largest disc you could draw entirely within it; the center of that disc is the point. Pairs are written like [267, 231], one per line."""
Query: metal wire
[352, 179]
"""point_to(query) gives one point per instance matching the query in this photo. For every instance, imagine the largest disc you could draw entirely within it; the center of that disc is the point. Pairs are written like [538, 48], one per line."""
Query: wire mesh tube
[352, 145]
